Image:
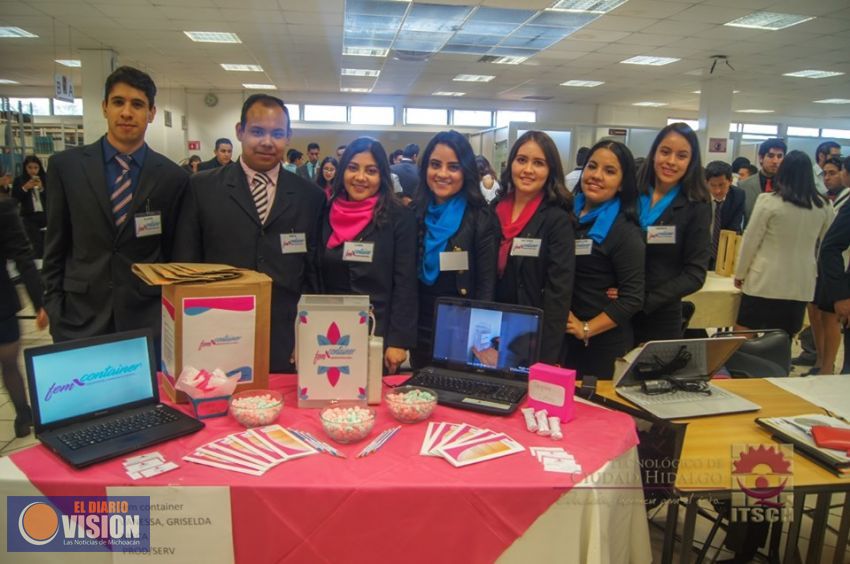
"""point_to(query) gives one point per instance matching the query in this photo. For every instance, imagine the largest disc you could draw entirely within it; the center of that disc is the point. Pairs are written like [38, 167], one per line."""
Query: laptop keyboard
[678, 396]
[102, 432]
[467, 386]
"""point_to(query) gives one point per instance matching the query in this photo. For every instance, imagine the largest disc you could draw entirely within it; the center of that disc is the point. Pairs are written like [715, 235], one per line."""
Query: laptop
[685, 364]
[481, 354]
[96, 399]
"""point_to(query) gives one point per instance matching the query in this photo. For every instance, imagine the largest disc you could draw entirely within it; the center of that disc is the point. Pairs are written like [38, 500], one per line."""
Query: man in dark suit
[727, 203]
[110, 204]
[771, 152]
[310, 169]
[254, 214]
[223, 155]
[407, 172]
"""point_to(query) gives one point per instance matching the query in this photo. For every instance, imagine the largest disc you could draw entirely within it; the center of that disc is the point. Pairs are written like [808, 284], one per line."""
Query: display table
[397, 505]
[716, 303]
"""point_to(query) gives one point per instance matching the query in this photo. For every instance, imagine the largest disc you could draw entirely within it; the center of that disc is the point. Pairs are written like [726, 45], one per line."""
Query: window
[40, 106]
[314, 112]
[473, 118]
[803, 131]
[692, 123]
[734, 127]
[504, 117]
[294, 112]
[761, 129]
[839, 133]
[62, 108]
[425, 116]
[373, 115]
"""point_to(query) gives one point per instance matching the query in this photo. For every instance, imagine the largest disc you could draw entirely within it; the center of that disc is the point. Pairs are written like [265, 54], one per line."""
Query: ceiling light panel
[473, 78]
[241, 68]
[649, 104]
[8, 81]
[583, 83]
[73, 63]
[754, 111]
[448, 93]
[355, 90]
[8, 31]
[768, 20]
[833, 101]
[589, 6]
[252, 86]
[365, 52]
[212, 37]
[652, 61]
[813, 74]
[360, 72]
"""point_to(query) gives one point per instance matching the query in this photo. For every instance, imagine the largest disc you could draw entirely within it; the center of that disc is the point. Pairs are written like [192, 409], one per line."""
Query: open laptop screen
[70, 380]
[485, 336]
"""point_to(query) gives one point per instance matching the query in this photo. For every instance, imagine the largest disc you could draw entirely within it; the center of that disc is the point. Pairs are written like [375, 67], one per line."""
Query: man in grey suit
[310, 169]
[110, 204]
[771, 153]
[253, 213]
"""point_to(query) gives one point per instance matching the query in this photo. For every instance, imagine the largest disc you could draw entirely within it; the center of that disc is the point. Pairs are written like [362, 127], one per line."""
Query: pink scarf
[349, 218]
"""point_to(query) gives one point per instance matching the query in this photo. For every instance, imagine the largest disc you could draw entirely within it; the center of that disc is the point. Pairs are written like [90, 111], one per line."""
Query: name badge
[293, 243]
[357, 251]
[584, 247]
[455, 260]
[148, 224]
[661, 235]
[525, 247]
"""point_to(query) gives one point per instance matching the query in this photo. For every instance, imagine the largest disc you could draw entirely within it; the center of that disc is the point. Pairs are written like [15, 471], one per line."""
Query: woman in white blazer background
[777, 263]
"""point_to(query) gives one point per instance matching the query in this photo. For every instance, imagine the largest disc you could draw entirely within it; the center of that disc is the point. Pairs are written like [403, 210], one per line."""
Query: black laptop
[481, 354]
[95, 399]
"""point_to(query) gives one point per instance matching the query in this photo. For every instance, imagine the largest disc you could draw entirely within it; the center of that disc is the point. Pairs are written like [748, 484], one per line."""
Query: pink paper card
[232, 457]
[205, 460]
[480, 450]
[459, 434]
[553, 389]
[254, 444]
[443, 432]
[281, 440]
[232, 447]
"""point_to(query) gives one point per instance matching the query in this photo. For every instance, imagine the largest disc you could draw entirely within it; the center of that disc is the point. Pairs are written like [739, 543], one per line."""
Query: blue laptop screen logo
[89, 379]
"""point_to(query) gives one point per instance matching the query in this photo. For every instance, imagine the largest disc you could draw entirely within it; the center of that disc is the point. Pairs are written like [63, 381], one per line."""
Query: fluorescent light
[73, 63]
[700, 92]
[587, 6]
[365, 52]
[583, 83]
[241, 68]
[754, 111]
[355, 90]
[473, 78]
[212, 37]
[647, 60]
[509, 60]
[768, 20]
[7, 81]
[360, 72]
[252, 86]
[812, 74]
[8, 31]
[650, 104]
[833, 101]
[447, 93]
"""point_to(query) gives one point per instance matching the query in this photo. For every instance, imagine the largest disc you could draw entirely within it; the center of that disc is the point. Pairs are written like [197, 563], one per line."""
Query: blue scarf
[603, 217]
[649, 215]
[441, 222]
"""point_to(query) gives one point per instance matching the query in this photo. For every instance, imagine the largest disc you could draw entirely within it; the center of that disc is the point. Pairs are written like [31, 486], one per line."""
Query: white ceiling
[299, 46]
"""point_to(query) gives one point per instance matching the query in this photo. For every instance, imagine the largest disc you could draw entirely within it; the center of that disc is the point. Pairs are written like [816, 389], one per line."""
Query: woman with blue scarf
[609, 253]
[675, 216]
[458, 234]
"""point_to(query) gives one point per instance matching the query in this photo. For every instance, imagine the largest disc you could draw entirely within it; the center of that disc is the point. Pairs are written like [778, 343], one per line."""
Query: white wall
[170, 141]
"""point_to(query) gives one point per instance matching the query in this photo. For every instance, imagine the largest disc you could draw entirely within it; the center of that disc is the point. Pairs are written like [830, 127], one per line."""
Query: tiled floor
[33, 337]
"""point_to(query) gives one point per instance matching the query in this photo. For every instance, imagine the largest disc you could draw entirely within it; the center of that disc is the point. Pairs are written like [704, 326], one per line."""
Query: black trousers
[661, 325]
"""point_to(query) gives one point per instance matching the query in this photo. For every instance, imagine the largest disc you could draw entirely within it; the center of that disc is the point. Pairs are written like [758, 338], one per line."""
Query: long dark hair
[554, 190]
[484, 167]
[465, 156]
[386, 196]
[25, 176]
[693, 183]
[320, 177]
[628, 188]
[795, 182]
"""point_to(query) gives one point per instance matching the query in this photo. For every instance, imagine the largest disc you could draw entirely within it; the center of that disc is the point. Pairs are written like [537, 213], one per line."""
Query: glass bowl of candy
[347, 422]
[411, 404]
[255, 408]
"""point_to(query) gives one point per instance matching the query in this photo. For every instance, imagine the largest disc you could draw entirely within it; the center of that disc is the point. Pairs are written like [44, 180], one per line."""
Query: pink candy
[347, 424]
[409, 404]
[255, 410]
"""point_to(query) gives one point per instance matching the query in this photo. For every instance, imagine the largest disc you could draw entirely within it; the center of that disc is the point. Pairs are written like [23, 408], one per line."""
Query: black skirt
[769, 313]
[10, 332]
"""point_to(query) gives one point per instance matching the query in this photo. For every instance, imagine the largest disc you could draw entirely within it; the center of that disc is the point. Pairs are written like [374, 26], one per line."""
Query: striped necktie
[122, 190]
[715, 232]
[260, 193]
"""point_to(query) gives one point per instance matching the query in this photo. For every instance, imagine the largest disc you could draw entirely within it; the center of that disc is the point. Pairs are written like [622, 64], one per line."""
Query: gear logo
[762, 478]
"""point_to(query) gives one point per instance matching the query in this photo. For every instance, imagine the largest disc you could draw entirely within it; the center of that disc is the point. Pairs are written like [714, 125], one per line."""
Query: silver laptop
[684, 366]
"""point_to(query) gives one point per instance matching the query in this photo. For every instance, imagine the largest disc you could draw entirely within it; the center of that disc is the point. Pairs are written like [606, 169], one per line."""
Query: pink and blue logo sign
[333, 347]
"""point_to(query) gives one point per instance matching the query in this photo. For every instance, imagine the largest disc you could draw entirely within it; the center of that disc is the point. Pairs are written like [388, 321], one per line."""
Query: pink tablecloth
[392, 506]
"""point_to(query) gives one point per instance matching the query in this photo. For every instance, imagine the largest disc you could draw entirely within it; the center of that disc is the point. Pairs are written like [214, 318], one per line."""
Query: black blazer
[674, 271]
[833, 278]
[390, 280]
[732, 212]
[211, 164]
[408, 176]
[15, 246]
[219, 223]
[90, 289]
[545, 281]
[24, 197]
[479, 234]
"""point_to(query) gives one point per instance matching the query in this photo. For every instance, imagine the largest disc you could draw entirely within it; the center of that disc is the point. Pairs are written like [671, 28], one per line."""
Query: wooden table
[716, 303]
[705, 466]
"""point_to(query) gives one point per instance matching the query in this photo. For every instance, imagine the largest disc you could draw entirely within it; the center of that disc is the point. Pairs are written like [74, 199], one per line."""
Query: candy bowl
[411, 404]
[255, 408]
[347, 422]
